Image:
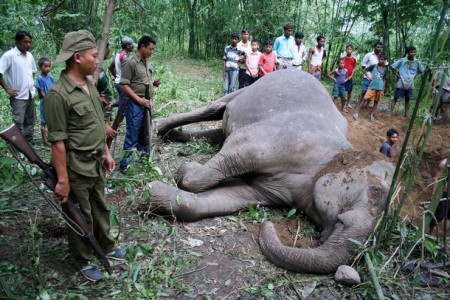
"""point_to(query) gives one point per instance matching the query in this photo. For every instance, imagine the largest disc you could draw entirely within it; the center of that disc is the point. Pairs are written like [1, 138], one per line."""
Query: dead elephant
[284, 145]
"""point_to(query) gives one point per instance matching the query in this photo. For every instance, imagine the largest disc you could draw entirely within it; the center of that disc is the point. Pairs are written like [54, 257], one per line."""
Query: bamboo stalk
[373, 277]
[408, 133]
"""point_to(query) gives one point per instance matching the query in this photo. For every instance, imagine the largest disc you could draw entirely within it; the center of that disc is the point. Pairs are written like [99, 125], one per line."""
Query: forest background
[191, 36]
[201, 28]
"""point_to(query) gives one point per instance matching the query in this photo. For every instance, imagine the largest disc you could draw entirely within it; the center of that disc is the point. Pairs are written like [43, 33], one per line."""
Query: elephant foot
[170, 200]
[185, 173]
[161, 126]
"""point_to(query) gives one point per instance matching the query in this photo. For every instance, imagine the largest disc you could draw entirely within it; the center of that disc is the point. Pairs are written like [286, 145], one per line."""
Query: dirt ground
[367, 135]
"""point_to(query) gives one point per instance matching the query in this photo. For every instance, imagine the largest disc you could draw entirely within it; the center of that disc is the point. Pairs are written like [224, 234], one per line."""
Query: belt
[89, 155]
[288, 58]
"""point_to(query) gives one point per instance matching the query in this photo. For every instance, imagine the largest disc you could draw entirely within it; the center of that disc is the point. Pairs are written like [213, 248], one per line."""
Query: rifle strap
[72, 225]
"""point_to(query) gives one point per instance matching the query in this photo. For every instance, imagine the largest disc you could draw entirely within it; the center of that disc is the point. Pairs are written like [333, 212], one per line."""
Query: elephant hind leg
[214, 135]
[211, 112]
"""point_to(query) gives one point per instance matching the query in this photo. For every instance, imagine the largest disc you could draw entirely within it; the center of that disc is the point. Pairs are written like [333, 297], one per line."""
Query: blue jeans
[229, 84]
[136, 133]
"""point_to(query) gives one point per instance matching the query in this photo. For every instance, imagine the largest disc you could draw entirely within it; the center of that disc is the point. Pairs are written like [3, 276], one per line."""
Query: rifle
[15, 138]
[118, 120]
[148, 119]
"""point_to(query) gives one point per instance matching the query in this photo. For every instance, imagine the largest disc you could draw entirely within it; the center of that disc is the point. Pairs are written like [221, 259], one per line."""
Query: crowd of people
[75, 112]
[244, 63]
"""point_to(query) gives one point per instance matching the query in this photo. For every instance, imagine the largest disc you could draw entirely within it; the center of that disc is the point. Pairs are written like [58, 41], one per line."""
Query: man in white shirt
[19, 66]
[116, 66]
[243, 46]
[300, 51]
[369, 59]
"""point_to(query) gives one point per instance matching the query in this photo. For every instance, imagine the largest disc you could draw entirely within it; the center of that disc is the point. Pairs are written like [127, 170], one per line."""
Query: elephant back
[285, 95]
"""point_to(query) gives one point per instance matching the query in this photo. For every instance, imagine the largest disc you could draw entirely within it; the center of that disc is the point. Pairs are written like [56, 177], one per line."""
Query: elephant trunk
[335, 251]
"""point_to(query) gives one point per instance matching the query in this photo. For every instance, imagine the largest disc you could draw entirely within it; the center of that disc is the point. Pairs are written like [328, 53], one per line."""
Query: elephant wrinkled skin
[284, 145]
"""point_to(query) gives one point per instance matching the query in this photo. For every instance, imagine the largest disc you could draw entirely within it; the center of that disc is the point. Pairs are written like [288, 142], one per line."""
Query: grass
[160, 262]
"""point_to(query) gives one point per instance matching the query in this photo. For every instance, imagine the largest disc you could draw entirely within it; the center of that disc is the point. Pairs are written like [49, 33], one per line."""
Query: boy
[267, 59]
[252, 64]
[340, 78]
[349, 64]
[300, 51]
[369, 59]
[316, 56]
[375, 91]
[244, 46]
[387, 147]
[43, 84]
[406, 69]
[231, 57]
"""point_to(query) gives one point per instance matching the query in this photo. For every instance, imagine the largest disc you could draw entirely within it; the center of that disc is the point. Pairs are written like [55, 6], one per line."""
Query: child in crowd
[340, 78]
[43, 83]
[406, 70]
[375, 92]
[231, 57]
[267, 60]
[349, 64]
[252, 64]
[387, 147]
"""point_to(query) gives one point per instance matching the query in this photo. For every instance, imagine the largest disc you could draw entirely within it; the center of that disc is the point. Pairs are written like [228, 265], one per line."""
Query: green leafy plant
[257, 214]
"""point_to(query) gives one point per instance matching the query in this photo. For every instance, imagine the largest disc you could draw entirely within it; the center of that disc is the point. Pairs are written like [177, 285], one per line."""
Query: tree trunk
[104, 38]
[191, 6]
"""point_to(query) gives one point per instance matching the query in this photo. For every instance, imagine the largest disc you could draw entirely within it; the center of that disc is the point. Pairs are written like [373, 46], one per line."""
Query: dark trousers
[249, 80]
[242, 78]
[24, 115]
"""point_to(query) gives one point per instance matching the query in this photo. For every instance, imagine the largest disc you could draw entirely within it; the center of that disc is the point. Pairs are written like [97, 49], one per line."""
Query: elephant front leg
[228, 198]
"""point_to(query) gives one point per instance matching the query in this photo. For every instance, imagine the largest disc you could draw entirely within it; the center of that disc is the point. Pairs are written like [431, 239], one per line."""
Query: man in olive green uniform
[79, 154]
[134, 81]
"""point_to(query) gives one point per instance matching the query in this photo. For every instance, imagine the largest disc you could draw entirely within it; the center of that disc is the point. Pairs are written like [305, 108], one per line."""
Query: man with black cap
[76, 131]
[116, 66]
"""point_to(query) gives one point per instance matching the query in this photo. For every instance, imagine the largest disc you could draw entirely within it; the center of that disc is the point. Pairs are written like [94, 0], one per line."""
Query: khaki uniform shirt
[136, 74]
[77, 119]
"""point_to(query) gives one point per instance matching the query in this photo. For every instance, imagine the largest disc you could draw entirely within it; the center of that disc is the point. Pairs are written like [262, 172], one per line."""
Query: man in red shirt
[350, 65]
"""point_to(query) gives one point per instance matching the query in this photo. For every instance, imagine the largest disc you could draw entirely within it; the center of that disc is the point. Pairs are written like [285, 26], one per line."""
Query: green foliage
[257, 214]
[198, 146]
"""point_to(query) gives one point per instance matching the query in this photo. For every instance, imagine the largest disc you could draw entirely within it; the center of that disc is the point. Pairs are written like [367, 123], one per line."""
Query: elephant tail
[337, 250]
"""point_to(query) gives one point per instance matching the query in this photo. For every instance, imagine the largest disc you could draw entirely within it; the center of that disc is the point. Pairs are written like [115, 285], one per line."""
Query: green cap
[75, 41]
